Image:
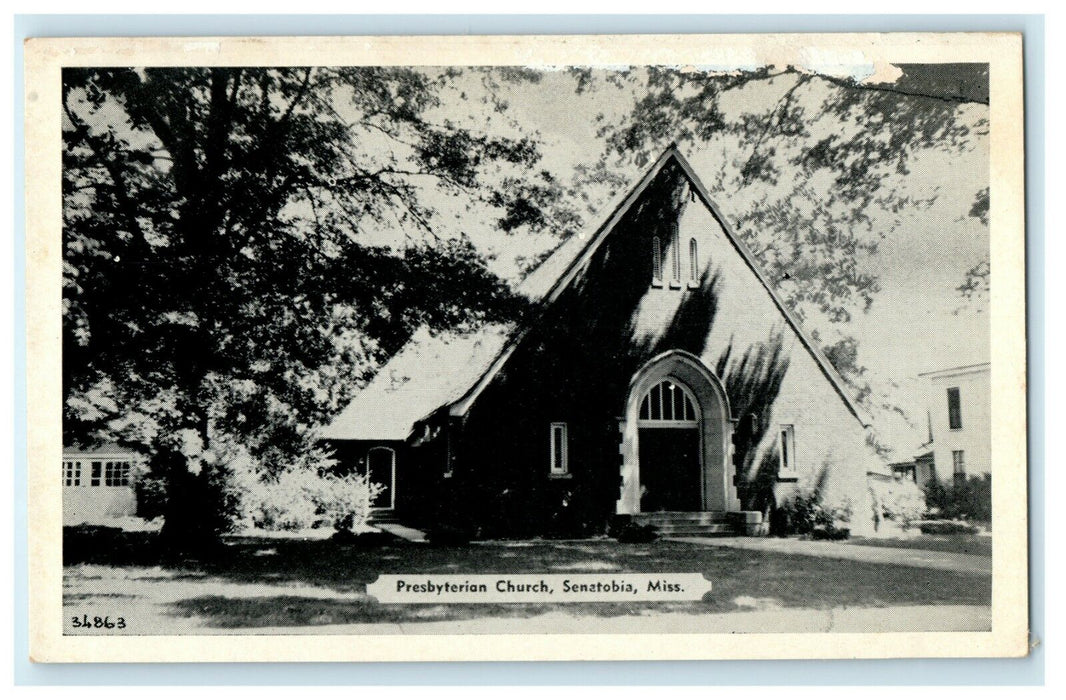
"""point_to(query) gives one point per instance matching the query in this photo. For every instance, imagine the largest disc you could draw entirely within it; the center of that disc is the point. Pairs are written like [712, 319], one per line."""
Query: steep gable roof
[451, 370]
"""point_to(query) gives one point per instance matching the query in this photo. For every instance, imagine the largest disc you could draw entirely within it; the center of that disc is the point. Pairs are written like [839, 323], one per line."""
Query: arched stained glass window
[656, 260]
[669, 402]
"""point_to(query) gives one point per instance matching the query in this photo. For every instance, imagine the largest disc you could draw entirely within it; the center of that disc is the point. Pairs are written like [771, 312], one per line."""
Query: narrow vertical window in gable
[675, 253]
[693, 260]
[656, 260]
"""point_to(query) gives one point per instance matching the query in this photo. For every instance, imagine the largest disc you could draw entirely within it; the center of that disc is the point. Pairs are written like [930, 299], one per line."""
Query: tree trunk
[193, 520]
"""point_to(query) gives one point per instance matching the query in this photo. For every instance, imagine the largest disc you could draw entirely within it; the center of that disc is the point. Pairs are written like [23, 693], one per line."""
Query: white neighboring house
[98, 484]
[959, 409]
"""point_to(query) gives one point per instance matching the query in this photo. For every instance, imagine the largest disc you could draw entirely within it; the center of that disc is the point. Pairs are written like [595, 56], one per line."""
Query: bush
[830, 533]
[805, 512]
[947, 527]
[298, 499]
[969, 499]
[900, 501]
[636, 534]
[304, 493]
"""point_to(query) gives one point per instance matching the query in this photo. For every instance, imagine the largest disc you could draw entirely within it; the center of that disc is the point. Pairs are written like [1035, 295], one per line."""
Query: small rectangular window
[559, 449]
[788, 448]
[94, 478]
[954, 409]
[958, 462]
[693, 260]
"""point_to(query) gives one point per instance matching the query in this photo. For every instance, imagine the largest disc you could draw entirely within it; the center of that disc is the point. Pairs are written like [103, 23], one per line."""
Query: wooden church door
[671, 464]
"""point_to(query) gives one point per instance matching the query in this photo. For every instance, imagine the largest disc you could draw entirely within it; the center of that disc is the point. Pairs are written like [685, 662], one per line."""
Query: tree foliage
[977, 283]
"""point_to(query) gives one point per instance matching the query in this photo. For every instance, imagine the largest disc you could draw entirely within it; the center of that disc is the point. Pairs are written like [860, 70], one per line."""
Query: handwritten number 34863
[85, 622]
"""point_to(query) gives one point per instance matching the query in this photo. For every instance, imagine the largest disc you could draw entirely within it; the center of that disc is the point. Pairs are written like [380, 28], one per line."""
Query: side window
[693, 261]
[94, 477]
[72, 473]
[787, 449]
[560, 457]
[116, 474]
[954, 409]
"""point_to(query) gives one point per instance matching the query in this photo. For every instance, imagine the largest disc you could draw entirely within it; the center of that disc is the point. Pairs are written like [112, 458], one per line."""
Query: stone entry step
[703, 524]
[380, 516]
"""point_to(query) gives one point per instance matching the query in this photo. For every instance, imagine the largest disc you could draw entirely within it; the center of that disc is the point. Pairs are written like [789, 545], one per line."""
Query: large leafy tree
[220, 278]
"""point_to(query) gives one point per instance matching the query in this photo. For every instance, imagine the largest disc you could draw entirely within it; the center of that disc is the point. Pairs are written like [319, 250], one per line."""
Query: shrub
[299, 499]
[830, 533]
[805, 512]
[965, 499]
[900, 501]
[306, 492]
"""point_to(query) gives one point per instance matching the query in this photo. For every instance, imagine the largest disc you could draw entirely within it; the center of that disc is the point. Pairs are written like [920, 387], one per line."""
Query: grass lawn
[255, 582]
[961, 544]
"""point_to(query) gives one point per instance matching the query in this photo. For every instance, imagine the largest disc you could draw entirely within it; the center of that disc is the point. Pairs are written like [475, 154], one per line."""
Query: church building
[659, 380]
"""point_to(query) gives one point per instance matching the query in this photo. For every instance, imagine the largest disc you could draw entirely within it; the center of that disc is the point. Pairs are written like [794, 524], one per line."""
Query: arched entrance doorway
[676, 439]
[671, 458]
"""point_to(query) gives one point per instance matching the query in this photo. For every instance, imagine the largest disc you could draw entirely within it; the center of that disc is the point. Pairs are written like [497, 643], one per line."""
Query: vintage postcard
[526, 348]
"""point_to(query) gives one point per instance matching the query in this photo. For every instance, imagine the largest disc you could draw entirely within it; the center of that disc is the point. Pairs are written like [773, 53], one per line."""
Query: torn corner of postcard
[631, 347]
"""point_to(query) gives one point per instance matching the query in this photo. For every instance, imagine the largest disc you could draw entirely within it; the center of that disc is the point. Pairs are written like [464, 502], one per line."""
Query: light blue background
[911, 672]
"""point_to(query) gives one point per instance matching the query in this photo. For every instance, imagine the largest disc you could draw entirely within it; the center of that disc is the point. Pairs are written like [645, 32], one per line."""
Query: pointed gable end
[456, 391]
[670, 155]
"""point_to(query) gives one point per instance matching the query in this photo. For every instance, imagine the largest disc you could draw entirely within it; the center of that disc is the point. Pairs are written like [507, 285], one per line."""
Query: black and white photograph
[582, 348]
